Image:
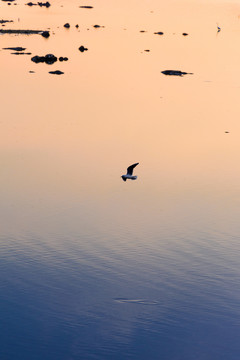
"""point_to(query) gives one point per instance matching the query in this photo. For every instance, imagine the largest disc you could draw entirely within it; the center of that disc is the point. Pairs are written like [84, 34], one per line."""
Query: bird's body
[129, 175]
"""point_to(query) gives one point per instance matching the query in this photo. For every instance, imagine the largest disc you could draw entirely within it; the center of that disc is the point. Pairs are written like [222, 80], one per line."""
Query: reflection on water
[93, 267]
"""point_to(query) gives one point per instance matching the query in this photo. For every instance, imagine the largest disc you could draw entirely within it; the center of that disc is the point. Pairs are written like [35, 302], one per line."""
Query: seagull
[129, 174]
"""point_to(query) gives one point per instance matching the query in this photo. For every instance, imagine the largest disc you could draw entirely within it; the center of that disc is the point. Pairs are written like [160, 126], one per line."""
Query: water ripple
[136, 301]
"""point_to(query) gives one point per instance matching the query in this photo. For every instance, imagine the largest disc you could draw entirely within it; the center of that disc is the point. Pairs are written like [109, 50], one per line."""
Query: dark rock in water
[5, 21]
[56, 72]
[21, 32]
[77, 26]
[98, 26]
[45, 34]
[63, 58]
[18, 48]
[159, 33]
[142, 31]
[147, 50]
[82, 48]
[175, 72]
[38, 59]
[67, 25]
[185, 34]
[46, 4]
[48, 59]
[86, 7]
[32, 72]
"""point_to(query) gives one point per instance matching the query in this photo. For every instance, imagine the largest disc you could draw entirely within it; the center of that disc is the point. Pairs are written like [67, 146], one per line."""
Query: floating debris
[185, 34]
[82, 48]
[159, 33]
[56, 72]
[175, 72]
[48, 59]
[147, 50]
[136, 301]
[67, 25]
[98, 26]
[142, 31]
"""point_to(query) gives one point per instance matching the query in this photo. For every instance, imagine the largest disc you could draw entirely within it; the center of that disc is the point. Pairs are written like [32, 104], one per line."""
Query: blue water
[121, 293]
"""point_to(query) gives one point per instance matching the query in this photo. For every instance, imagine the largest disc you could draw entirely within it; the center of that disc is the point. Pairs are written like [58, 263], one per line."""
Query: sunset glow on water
[93, 267]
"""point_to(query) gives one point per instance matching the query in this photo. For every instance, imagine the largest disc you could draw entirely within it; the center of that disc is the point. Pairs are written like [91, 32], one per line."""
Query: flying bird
[129, 174]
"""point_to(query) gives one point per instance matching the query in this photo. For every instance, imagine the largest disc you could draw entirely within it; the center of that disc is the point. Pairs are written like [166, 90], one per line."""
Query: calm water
[92, 267]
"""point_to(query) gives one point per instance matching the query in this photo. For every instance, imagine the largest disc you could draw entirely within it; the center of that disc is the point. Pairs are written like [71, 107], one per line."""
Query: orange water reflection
[72, 136]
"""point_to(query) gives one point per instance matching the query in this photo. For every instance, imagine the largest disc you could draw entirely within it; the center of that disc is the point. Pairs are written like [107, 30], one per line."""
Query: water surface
[93, 267]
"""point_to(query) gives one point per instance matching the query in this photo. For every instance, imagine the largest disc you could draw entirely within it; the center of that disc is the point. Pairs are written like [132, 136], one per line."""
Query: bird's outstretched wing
[130, 169]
